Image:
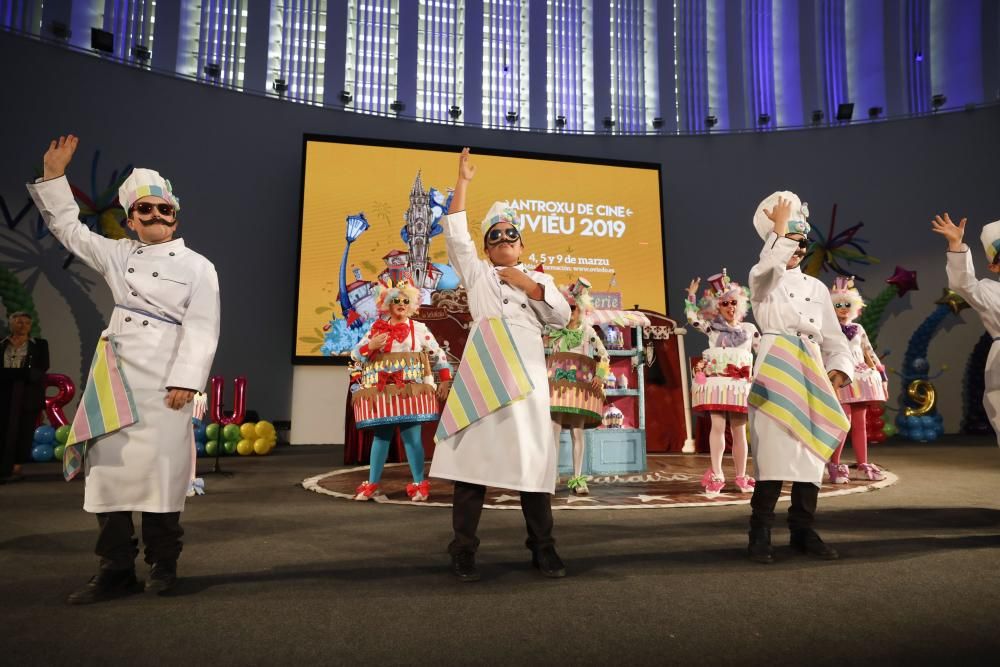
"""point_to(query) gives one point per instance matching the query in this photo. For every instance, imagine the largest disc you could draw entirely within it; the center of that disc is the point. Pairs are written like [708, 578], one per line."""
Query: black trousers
[117, 545]
[468, 508]
[801, 513]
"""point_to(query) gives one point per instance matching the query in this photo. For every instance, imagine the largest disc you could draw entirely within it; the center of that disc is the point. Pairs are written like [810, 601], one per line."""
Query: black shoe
[759, 549]
[463, 566]
[548, 562]
[162, 577]
[106, 585]
[808, 542]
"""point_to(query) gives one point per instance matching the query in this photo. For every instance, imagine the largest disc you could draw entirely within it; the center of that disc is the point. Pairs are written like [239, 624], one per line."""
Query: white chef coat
[166, 327]
[984, 297]
[787, 301]
[512, 448]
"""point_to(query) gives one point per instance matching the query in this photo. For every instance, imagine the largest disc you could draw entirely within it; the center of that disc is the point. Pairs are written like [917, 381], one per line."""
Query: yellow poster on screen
[599, 222]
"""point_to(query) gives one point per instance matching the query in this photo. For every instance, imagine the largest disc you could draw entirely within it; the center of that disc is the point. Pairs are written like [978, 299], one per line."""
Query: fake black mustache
[157, 221]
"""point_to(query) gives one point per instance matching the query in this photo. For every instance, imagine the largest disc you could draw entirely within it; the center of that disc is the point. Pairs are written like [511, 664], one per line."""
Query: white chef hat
[991, 241]
[500, 212]
[146, 183]
[797, 223]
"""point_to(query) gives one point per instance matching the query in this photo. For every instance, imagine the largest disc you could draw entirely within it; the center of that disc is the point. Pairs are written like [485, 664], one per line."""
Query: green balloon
[230, 446]
[212, 432]
[57, 453]
[212, 446]
[231, 433]
[889, 430]
[62, 434]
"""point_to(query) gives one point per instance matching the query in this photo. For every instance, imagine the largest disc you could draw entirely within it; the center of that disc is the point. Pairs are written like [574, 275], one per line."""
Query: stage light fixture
[140, 52]
[657, 123]
[346, 97]
[764, 119]
[213, 70]
[398, 106]
[512, 116]
[102, 40]
[455, 112]
[711, 121]
[845, 111]
[60, 30]
[817, 116]
[938, 101]
[280, 86]
[609, 122]
[560, 121]
[874, 112]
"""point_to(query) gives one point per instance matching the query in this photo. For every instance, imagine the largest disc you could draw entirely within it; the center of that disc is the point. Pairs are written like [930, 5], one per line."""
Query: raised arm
[765, 275]
[691, 310]
[55, 201]
[462, 251]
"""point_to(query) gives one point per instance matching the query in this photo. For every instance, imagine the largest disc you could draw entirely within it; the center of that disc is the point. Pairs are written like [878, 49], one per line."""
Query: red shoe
[419, 493]
[365, 491]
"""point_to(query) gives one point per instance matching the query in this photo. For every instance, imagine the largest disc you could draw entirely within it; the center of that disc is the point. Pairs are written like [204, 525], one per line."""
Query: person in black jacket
[22, 393]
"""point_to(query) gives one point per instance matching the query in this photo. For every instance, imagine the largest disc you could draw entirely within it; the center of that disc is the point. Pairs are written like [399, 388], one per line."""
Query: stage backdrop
[599, 221]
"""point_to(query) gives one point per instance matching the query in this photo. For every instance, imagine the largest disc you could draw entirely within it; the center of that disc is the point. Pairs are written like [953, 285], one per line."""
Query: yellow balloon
[248, 431]
[244, 447]
[260, 446]
[265, 429]
[922, 392]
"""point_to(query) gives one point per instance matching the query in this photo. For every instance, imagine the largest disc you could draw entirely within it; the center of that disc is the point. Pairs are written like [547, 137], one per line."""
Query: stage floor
[671, 481]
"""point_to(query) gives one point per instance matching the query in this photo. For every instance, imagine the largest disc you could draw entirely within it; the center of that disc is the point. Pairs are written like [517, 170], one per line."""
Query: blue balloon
[42, 453]
[449, 277]
[912, 422]
[918, 435]
[44, 435]
[200, 448]
[199, 433]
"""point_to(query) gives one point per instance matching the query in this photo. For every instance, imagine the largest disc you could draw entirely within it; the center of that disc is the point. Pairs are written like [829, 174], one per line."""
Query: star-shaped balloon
[904, 280]
[950, 298]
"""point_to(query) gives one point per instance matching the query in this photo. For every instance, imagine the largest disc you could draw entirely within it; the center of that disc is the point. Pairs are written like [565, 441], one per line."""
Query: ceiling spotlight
[764, 119]
[102, 40]
[560, 121]
[845, 111]
[140, 52]
[609, 122]
[938, 101]
[455, 112]
[657, 122]
[346, 97]
[711, 121]
[817, 116]
[512, 116]
[60, 30]
[213, 70]
[280, 86]
[874, 112]
[397, 106]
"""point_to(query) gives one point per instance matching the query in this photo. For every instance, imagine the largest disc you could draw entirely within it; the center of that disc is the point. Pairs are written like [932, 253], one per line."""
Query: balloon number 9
[922, 393]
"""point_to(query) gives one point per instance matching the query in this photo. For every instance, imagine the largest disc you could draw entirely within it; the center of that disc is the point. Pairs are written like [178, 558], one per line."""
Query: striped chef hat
[146, 183]
[991, 241]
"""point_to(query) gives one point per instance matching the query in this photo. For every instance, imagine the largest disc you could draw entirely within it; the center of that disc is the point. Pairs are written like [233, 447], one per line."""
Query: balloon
[229, 447]
[201, 433]
[244, 447]
[262, 446]
[57, 453]
[890, 430]
[231, 433]
[240, 403]
[212, 447]
[923, 394]
[54, 404]
[265, 429]
[44, 435]
[876, 409]
[62, 434]
[248, 431]
[199, 447]
[212, 431]
[41, 453]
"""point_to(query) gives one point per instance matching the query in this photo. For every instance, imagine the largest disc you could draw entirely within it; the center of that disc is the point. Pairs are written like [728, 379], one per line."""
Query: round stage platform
[671, 481]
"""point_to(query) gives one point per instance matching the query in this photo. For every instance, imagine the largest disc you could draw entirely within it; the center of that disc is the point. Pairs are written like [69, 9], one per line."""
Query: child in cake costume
[870, 383]
[397, 388]
[722, 383]
[982, 295]
[495, 429]
[576, 381]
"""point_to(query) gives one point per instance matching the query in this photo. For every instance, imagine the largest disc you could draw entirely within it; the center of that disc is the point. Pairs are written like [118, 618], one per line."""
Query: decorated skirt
[866, 388]
[571, 389]
[393, 391]
[722, 384]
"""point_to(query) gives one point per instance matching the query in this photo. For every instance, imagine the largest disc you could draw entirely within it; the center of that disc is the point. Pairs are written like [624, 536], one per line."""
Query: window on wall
[569, 65]
[23, 15]
[372, 45]
[213, 35]
[634, 100]
[505, 63]
[297, 49]
[440, 58]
